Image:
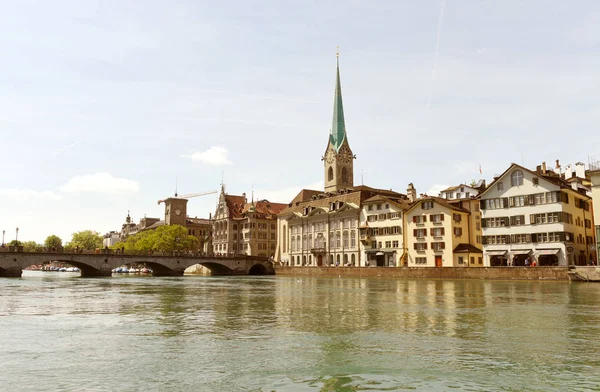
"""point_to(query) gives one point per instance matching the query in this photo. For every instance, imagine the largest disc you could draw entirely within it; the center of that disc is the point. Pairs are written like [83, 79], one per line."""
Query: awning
[521, 251]
[496, 252]
[547, 251]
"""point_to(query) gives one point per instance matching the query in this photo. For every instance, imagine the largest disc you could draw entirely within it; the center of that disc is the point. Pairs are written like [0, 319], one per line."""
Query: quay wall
[489, 273]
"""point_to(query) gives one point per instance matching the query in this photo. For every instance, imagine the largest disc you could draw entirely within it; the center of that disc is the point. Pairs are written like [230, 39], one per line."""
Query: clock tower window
[330, 173]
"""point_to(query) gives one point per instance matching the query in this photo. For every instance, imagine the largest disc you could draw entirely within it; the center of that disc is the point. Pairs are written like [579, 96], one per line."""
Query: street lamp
[3, 231]
[17, 238]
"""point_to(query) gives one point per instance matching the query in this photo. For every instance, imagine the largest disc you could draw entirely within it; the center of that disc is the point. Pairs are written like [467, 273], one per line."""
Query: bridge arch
[258, 269]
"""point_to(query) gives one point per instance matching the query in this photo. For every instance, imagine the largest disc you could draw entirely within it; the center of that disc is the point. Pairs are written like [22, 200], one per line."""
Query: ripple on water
[295, 334]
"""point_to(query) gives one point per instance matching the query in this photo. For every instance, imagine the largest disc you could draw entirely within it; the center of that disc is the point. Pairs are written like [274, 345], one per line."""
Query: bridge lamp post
[17, 237]
[3, 231]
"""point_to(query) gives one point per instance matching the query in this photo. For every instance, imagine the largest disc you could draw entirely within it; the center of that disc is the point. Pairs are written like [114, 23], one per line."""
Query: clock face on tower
[346, 155]
[330, 157]
[178, 212]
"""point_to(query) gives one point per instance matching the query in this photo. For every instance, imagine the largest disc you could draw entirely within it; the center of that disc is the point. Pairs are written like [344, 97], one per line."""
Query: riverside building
[245, 228]
[443, 233]
[536, 215]
[321, 228]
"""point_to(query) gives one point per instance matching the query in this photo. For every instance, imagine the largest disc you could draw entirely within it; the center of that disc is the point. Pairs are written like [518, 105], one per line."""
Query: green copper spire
[338, 129]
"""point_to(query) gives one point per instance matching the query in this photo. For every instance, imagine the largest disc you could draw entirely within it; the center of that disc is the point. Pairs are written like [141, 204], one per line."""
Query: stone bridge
[102, 264]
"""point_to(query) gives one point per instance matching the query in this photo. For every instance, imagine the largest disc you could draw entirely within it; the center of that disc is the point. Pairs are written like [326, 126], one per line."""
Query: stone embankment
[489, 273]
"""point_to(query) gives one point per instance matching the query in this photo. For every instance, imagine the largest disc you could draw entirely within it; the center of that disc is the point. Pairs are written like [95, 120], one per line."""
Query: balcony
[366, 237]
[317, 251]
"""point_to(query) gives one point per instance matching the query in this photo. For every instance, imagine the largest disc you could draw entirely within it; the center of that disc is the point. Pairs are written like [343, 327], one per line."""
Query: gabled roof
[305, 195]
[466, 248]
[549, 176]
[235, 205]
[264, 208]
[398, 203]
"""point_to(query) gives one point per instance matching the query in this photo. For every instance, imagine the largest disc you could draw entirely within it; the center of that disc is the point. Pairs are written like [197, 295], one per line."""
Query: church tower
[176, 211]
[338, 159]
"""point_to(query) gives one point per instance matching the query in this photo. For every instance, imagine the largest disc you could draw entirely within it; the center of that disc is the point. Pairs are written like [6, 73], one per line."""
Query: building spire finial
[338, 128]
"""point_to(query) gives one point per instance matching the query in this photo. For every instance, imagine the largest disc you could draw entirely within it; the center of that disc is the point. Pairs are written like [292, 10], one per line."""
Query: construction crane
[190, 195]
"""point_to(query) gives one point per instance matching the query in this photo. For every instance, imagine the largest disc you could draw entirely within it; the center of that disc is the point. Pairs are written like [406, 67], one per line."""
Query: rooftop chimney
[244, 197]
[544, 167]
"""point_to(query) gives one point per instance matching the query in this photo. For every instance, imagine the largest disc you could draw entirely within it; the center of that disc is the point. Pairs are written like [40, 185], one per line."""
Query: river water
[296, 334]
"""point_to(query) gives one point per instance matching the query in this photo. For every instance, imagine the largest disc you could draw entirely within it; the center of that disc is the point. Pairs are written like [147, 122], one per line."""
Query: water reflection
[282, 333]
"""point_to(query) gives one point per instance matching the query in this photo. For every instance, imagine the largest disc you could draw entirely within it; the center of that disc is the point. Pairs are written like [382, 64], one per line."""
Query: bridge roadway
[102, 264]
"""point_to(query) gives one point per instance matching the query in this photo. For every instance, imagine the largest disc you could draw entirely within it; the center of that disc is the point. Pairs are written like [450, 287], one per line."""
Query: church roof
[338, 127]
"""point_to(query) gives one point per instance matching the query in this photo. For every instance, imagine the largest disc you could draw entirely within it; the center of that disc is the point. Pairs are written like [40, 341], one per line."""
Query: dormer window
[500, 186]
[427, 205]
[516, 178]
[536, 181]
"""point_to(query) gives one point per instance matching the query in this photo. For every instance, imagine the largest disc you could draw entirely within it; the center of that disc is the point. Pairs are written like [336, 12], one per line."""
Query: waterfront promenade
[486, 273]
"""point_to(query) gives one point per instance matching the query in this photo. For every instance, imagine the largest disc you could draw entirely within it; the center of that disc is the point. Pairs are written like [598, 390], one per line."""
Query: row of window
[372, 231]
[534, 219]
[348, 239]
[525, 200]
[382, 217]
[436, 232]
[527, 238]
[436, 246]
[435, 218]
[388, 244]
[322, 226]
[372, 207]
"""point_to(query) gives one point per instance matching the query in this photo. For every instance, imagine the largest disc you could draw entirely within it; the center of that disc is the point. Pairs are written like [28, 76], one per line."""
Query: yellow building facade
[442, 234]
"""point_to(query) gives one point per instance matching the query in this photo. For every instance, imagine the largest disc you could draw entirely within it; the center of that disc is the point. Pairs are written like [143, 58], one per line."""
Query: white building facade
[533, 217]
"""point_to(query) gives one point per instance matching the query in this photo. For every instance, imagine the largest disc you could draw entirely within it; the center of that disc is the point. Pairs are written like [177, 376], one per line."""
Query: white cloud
[436, 189]
[285, 195]
[100, 183]
[28, 194]
[215, 155]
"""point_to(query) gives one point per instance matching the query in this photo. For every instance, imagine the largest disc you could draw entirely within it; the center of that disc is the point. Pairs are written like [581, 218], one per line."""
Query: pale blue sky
[130, 91]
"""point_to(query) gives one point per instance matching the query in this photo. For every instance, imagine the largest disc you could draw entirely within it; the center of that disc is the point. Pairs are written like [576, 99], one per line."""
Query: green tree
[163, 239]
[85, 240]
[53, 241]
[174, 238]
[30, 246]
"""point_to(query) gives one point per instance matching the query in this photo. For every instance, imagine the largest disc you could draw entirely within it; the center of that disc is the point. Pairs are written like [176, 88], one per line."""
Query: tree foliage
[28, 246]
[163, 239]
[52, 242]
[85, 240]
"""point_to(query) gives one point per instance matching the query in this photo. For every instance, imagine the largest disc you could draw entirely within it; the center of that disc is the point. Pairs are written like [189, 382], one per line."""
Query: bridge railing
[123, 252]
